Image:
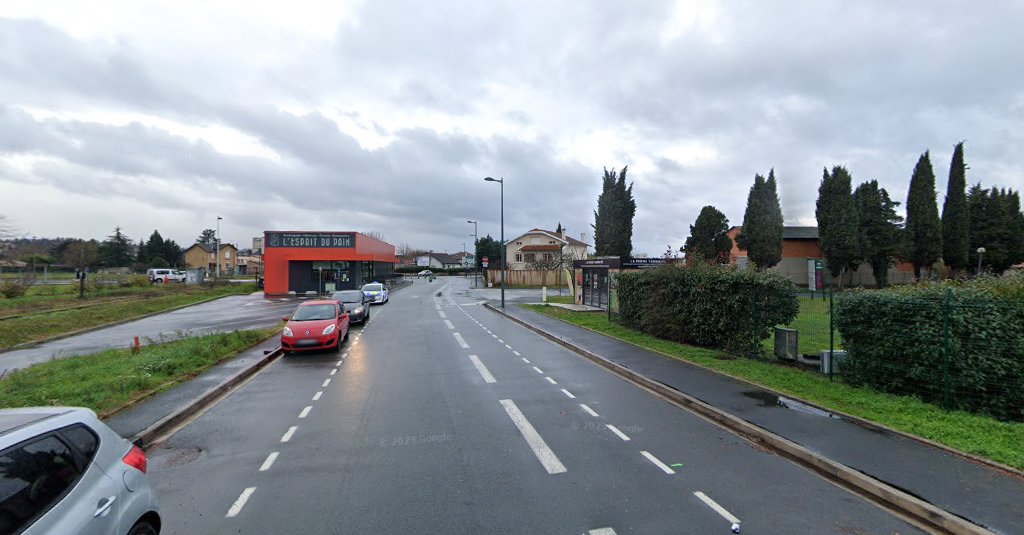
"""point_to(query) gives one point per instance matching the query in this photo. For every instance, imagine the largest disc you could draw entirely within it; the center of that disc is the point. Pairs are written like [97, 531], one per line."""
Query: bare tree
[373, 234]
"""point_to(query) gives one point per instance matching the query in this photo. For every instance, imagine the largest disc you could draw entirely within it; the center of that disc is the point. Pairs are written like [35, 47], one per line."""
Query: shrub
[898, 340]
[13, 288]
[134, 281]
[707, 305]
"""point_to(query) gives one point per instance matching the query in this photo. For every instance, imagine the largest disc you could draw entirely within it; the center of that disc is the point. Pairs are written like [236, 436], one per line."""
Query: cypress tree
[613, 219]
[1015, 224]
[955, 225]
[761, 235]
[708, 240]
[923, 234]
[837, 222]
[878, 229]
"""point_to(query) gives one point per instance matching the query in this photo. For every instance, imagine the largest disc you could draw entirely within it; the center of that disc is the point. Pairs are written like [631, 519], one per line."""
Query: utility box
[831, 361]
[195, 276]
[786, 343]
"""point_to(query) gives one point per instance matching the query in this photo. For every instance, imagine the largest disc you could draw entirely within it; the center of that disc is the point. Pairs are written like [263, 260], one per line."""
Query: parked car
[425, 273]
[64, 471]
[320, 324]
[377, 292]
[165, 275]
[356, 303]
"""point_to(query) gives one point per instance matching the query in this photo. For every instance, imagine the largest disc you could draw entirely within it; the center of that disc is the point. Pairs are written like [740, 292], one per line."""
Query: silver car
[64, 471]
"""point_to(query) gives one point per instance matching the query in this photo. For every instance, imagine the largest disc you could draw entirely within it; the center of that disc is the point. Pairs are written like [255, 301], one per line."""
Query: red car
[315, 325]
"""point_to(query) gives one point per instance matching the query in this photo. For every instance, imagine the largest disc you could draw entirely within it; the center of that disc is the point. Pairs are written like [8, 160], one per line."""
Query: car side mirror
[284, 318]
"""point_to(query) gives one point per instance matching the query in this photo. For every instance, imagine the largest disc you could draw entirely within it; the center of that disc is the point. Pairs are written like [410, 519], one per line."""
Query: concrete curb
[27, 345]
[925, 513]
[148, 435]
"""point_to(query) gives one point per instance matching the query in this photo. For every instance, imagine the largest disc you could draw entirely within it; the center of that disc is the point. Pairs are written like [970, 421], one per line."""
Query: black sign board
[624, 262]
[321, 240]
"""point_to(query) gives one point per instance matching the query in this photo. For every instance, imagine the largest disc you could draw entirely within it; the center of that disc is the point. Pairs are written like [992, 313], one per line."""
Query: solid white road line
[269, 462]
[317, 395]
[659, 464]
[536, 443]
[305, 412]
[288, 434]
[550, 380]
[441, 313]
[516, 352]
[538, 370]
[449, 324]
[525, 360]
[240, 502]
[601, 531]
[617, 432]
[718, 508]
[334, 371]
[588, 410]
[488, 378]
[461, 341]
[567, 393]
[326, 382]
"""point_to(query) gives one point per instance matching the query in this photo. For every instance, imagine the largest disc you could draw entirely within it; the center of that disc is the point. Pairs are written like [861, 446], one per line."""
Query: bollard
[543, 294]
[135, 345]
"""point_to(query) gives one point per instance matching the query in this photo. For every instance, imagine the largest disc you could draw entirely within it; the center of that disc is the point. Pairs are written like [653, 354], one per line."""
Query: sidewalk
[986, 496]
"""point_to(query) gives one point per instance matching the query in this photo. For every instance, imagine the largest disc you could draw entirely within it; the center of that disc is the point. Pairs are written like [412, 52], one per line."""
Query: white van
[165, 275]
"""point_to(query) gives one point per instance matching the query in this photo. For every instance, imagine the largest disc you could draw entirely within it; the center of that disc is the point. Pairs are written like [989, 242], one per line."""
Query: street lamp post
[218, 246]
[476, 263]
[981, 253]
[501, 181]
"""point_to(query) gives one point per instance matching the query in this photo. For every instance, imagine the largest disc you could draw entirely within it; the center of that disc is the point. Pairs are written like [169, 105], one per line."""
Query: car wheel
[143, 528]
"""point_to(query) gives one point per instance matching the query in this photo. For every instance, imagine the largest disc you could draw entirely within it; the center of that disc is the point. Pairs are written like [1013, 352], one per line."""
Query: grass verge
[109, 380]
[972, 433]
[36, 327]
[564, 299]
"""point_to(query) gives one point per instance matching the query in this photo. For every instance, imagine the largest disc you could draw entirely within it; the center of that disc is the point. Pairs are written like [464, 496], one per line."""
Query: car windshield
[314, 312]
[351, 296]
[372, 288]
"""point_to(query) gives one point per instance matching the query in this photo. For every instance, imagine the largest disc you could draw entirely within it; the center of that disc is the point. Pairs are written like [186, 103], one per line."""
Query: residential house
[465, 258]
[250, 264]
[203, 256]
[438, 261]
[543, 249]
[801, 247]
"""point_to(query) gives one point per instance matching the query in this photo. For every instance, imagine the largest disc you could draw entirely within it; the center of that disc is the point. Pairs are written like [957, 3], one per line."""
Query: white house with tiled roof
[541, 249]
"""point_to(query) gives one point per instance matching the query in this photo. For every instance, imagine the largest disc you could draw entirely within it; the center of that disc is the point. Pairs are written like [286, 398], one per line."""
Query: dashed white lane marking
[339, 363]
[718, 508]
[550, 380]
[269, 462]
[334, 371]
[588, 410]
[538, 370]
[461, 341]
[449, 324]
[494, 335]
[617, 432]
[533, 439]
[441, 313]
[344, 355]
[516, 352]
[488, 378]
[305, 412]
[567, 393]
[601, 531]
[326, 382]
[240, 502]
[525, 360]
[659, 464]
[508, 346]
[500, 341]
[288, 434]
[317, 395]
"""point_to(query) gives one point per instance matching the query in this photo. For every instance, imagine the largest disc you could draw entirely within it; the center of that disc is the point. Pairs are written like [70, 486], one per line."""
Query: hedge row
[711, 306]
[899, 340]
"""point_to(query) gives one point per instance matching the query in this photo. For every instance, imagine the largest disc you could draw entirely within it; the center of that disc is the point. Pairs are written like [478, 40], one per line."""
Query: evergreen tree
[491, 248]
[955, 226]
[761, 235]
[708, 240]
[116, 250]
[923, 233]
[172, 253]
[992, 227]
[837, 222]
[613, 219]
[558, 231]
[878, 229]
[140, 252]
[1015, 224]
[207, 237]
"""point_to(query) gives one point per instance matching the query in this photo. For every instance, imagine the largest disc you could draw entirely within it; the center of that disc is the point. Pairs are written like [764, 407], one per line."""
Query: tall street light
[502, 266]
[218, 246]
[476, 261]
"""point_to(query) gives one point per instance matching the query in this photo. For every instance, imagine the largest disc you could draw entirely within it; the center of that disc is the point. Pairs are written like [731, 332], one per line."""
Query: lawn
[812, 328]
[109, 380]
[972, 433]
[564, 299]
[31, 328]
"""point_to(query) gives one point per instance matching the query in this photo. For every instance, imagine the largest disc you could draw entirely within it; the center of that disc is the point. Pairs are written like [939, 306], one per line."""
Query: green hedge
[711, 306]
[898, 341]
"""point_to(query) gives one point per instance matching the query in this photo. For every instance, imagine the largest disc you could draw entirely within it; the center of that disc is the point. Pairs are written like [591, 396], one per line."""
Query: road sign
[484, 261]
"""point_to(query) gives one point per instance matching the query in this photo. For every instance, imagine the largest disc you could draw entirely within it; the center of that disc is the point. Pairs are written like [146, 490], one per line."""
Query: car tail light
[136, 459]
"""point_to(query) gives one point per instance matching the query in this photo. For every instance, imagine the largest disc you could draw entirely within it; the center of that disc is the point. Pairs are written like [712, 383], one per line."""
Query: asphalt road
[225, 314]
[442, 417]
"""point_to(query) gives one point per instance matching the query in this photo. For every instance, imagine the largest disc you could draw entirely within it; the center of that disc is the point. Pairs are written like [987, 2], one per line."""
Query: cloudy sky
[385, 116]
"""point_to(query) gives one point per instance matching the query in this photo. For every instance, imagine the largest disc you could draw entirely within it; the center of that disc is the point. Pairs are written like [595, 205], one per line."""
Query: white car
[165, 275]
[64, 471]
